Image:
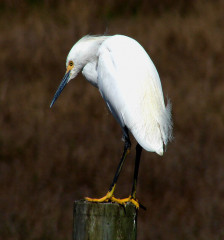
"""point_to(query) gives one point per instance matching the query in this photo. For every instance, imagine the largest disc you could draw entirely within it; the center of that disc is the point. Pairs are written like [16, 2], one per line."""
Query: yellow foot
[106, 198]
[129, 199]
[109, 197]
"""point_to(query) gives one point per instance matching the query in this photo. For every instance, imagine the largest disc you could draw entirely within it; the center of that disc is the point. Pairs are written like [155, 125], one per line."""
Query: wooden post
[104, 221]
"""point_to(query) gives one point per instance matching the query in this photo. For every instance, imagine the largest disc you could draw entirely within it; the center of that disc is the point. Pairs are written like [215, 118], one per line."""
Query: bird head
[82, 52]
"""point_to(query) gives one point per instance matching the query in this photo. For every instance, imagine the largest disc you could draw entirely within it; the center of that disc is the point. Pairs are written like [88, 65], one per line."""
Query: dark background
[51, 157]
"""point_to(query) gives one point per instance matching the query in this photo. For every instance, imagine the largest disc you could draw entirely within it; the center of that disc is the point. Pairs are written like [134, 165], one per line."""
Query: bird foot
[109, 197]
[106, 198]
[131, 199]
[124, 201]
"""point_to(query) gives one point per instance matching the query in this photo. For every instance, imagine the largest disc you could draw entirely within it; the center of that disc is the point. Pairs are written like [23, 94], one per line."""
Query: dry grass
[49, 158]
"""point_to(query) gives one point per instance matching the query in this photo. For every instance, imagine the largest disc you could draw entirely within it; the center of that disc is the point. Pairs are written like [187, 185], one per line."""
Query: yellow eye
[70, 66]
[71, 63]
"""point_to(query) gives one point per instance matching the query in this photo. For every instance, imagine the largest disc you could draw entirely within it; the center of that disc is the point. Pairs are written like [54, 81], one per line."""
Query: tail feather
[166, 124]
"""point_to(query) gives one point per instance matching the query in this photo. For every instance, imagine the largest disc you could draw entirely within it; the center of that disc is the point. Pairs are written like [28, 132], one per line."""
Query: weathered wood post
[104, 221]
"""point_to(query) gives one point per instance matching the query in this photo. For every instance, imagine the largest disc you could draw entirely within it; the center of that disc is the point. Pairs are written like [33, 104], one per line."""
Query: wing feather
[130, 85]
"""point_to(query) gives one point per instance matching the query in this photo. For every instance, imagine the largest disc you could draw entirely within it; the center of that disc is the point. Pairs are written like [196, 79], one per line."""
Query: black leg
[110, 194]
[127, 146]
[137, 161]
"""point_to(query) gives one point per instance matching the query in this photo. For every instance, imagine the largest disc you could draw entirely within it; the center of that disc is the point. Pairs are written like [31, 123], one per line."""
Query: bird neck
[91, 47]
[90, 57]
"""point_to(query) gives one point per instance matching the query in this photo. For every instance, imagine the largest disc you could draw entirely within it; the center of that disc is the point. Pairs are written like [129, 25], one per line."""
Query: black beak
[61, 87]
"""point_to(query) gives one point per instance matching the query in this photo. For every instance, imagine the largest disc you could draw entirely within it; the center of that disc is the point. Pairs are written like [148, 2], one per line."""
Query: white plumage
[128, 82]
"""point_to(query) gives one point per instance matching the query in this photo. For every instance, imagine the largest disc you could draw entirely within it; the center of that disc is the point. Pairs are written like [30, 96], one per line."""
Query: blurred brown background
[51, 157]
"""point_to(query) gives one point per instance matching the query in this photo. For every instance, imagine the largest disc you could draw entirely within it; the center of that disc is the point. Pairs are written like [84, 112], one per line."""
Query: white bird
[130, 85]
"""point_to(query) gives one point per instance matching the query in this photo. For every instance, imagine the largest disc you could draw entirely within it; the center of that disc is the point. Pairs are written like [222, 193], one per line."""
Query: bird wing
[130, 85]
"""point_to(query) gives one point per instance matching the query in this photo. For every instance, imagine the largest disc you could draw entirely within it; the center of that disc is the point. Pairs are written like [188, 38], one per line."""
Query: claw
[124, 201]
[106, 198]
[109, 197]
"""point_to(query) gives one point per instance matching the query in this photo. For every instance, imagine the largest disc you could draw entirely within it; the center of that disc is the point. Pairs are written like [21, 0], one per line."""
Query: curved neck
[90, 47]
[90, 58]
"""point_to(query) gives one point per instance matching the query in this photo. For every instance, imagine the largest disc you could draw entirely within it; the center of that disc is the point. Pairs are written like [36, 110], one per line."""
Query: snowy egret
[130, 85]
